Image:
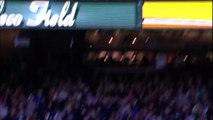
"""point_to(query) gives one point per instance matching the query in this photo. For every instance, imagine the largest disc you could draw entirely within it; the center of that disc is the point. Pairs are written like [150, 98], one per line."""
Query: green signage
[67, 15]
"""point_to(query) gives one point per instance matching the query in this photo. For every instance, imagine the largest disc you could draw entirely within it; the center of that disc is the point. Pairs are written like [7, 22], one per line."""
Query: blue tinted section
[90, 15]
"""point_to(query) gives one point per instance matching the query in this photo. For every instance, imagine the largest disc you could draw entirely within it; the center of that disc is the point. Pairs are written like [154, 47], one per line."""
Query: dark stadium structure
[106, 74]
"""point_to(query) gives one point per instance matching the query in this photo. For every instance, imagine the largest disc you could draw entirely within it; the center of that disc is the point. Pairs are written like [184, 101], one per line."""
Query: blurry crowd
[152, 98]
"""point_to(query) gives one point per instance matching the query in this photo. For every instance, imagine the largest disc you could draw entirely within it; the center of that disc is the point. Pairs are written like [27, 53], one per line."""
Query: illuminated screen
[177, 14]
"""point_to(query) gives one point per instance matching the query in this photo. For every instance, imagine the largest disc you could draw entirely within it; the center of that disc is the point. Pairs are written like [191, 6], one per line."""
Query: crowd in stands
[27, 92]
[146, 98]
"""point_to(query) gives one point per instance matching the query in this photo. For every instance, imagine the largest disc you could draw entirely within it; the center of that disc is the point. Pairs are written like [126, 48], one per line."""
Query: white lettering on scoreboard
[1, 6]
[43, 15]
[11, 20]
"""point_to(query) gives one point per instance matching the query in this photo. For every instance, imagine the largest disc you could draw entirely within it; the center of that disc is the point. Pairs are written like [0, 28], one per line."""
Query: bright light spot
[147, 39]
[110, 41]
[184, 60]
[133, 42]
[106, 58]
[133, 58]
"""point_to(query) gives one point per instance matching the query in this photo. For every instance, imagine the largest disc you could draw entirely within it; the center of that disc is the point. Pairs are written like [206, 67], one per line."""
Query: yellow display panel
[180, 14]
